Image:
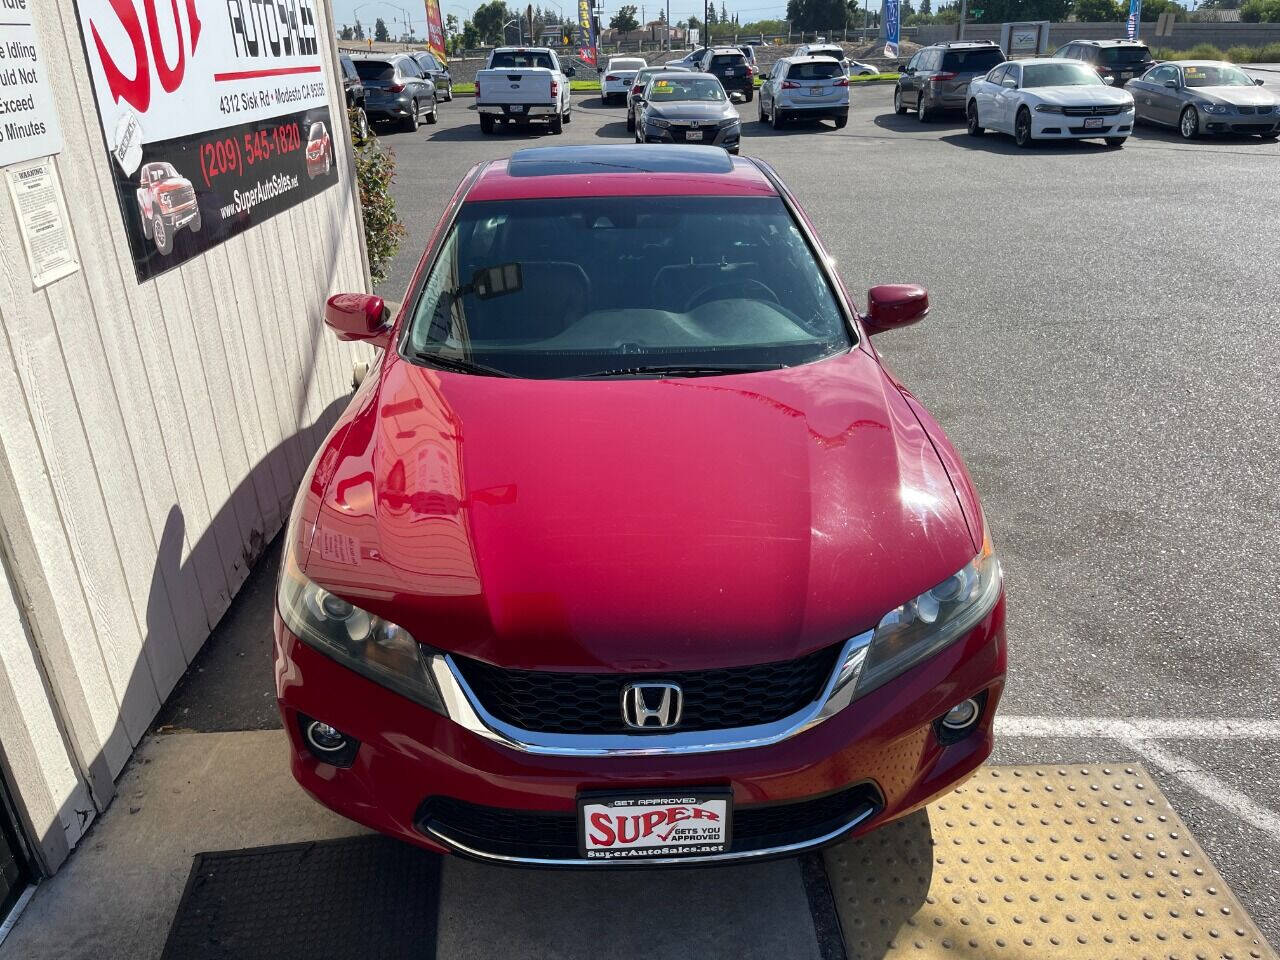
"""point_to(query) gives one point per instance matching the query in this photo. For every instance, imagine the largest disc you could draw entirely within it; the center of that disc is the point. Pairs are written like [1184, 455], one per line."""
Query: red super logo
[609, 829]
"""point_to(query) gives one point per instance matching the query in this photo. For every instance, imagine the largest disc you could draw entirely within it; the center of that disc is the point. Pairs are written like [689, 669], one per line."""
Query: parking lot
[1102, 348]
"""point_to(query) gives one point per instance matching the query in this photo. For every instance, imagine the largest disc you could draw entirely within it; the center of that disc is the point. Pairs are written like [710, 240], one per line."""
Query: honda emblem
[651, 705]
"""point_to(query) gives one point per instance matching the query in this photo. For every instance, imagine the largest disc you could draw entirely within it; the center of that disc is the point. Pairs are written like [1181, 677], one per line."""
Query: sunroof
[562, 161]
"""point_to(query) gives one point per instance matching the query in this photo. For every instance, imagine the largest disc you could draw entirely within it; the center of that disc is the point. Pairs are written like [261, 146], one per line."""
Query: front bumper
[882, 748]
[517, 111]
[727, 137]
[1056, 126]
[1238, 124]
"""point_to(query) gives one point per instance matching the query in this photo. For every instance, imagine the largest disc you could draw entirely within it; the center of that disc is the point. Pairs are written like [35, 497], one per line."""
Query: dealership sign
[215, 114]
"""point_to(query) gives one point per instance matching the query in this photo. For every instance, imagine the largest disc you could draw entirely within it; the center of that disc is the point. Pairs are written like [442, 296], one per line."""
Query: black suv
[353, 89]
[937, 77]
[438, 72]
[1121, 60]
[729, 66]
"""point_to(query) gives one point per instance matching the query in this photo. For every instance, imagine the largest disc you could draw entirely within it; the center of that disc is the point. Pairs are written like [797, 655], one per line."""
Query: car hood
[691, 110]
[1077, 95]
[633, 524]
[1236, 96]
[171, 185]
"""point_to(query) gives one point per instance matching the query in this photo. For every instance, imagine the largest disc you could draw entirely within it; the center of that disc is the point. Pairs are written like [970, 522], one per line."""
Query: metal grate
[591, 702]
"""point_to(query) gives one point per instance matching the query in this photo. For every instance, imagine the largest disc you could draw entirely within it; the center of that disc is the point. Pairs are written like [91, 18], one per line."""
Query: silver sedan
[1205, 97]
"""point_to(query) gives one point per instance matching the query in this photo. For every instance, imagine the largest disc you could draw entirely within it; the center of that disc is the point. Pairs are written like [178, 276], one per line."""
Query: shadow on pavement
[1002, 143]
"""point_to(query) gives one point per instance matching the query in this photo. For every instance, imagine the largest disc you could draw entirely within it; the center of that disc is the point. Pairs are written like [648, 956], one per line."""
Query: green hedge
[1207, 51]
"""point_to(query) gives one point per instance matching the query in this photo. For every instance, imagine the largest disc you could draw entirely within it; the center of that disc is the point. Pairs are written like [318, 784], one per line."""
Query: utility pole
[964, 9]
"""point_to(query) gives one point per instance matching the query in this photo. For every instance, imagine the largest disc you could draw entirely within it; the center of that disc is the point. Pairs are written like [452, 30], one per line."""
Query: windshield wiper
[460, 366]
[682, 370]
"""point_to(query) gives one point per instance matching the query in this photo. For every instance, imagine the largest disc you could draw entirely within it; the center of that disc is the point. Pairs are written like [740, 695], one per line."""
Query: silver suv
[937, 77]
[805, 88]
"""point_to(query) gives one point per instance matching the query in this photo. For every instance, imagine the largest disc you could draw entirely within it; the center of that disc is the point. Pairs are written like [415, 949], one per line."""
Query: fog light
[327, 743]
[962, 715]
[325, 738]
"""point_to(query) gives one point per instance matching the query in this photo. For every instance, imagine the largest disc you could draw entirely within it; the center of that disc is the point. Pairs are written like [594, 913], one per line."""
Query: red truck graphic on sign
[167, 203]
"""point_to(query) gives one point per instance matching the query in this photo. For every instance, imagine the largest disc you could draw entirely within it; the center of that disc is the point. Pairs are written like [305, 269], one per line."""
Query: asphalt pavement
[1102, 349]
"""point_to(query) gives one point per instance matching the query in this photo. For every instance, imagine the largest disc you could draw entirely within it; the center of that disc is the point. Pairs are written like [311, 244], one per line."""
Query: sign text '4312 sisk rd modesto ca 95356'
[629, 548]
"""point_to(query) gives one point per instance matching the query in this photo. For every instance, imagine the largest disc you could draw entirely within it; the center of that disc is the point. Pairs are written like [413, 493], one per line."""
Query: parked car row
[401, 88]
[1089, 88]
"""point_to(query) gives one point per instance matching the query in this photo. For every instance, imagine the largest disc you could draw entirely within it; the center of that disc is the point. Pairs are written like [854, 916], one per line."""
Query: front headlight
[1048, 108]
[369, 645]
[921, 627]
[658, 122]
[731, 122]
[1213, 107]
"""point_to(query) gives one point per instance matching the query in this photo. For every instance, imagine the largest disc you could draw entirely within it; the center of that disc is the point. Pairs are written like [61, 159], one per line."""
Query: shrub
[383, 231]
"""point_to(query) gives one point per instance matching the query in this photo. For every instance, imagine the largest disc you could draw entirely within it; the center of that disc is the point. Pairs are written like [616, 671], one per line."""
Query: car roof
[811, 58]
[963, 44]
[716, 50]
[1198, 63]
[1112, 43]
[618, 170]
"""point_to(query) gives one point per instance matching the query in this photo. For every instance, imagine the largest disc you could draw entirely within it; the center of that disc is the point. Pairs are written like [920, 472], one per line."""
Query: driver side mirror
[570, 71]
[893, 305]
[359, 316]
[1108, 80]
[1171, 84]
[1257, 81]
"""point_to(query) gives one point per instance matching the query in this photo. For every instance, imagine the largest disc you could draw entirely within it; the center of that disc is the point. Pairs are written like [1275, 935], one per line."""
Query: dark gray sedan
[1205, 96]
[687, 108]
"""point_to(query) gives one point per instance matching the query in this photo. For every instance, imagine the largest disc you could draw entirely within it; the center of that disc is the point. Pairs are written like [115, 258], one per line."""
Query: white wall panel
[153, 437]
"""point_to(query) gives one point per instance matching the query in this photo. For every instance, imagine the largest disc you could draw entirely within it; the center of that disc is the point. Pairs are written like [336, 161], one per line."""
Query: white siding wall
[153, 435]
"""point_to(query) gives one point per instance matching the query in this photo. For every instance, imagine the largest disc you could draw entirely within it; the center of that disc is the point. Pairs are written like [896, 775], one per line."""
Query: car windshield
[822, 70]
[1114, 55]
[618, 283]
[1223, 76]
[1060, 75]
[971, 61]
[627, 64]
[521, 58]
[317, 131]
[695, 88]
[375, 71]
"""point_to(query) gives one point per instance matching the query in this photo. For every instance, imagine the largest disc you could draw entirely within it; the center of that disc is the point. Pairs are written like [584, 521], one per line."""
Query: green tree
[346, 33]
[470, 36]
[625, 19]
[1098, 11]
[724, 14]
[380, 31]
[488, 19]
[359, 29]
[1260, 11]
[712, 17]
[1151, 9]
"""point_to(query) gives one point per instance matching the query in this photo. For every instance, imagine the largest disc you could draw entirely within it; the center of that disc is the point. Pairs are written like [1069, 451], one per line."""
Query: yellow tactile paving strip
[1038, 863]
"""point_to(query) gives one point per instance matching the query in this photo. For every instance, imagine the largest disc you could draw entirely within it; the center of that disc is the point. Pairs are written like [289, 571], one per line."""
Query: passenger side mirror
[893, 305]
[1171, 84]
[1258, 81]
[570, 71]
[359, 316]
[1108, 80]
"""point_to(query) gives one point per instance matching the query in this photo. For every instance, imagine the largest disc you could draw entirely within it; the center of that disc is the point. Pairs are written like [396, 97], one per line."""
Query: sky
[345, 11]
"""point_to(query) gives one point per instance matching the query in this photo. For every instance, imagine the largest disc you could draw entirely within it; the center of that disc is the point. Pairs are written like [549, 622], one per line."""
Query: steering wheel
[742, 285]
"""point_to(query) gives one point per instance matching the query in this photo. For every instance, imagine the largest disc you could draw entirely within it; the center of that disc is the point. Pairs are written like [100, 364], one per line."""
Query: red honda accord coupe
[629, 549]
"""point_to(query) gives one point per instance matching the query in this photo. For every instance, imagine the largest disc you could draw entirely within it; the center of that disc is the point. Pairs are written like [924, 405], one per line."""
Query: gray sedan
[1205, 96]
[687, 108]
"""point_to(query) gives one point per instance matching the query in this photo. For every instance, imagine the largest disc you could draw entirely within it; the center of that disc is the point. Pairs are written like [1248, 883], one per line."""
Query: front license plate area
[1093, 123]
[693, 135]
[648, 826]
[517, 109]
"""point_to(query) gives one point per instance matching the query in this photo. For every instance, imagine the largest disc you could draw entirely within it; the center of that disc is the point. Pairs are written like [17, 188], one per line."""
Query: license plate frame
[693, 136]
[1094, 123]
[658, 842]
[517, 108]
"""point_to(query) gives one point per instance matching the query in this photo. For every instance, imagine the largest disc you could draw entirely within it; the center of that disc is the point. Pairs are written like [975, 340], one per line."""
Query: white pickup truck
[520, 84]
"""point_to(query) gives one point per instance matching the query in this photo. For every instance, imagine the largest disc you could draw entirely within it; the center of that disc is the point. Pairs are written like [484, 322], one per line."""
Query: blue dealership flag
[891, 18]
[1135, 17]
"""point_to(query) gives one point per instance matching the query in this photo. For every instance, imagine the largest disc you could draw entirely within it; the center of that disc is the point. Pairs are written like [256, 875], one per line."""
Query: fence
[1184, 36]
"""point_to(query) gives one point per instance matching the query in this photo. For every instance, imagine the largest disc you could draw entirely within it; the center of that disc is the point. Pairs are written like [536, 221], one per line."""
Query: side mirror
[1258, 81]
[1171, 84]
[570, 71]
[1108, 80]
[893, 305]
[359, 316]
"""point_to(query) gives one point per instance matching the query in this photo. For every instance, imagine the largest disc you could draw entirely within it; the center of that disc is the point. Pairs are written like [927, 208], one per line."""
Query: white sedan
[615, 82]
[1050, 99]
